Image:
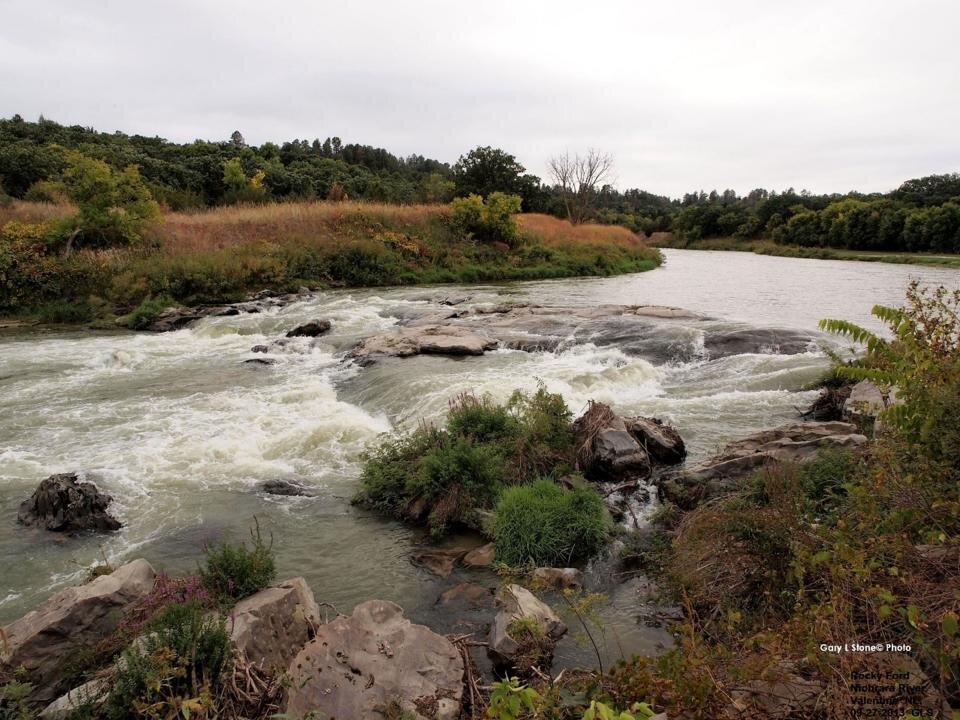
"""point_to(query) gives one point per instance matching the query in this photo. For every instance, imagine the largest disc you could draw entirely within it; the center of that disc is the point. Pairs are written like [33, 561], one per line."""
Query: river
[181, 433]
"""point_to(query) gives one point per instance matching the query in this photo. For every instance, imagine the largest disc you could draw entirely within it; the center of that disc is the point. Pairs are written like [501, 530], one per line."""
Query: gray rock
[271, 626]
[358, 665]
[758, 340]
[517, 602]
[433, 339]
[865, 402]
[559, 578]
[795, 442]
[90, 695]
[661, 441]
[311, 329]
[255, 362]
[62, 503]
[283, 487]
[174, 318]
[47, 640]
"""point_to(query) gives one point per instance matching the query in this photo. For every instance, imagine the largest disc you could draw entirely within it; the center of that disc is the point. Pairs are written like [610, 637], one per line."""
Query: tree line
[921, 215]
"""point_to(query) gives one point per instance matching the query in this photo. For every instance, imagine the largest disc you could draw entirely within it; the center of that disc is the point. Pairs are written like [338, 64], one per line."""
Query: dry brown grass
[552, 230]
[33, 212]
[241, 224]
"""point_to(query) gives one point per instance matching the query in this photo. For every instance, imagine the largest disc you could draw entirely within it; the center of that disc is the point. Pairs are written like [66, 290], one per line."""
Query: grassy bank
[223, 254]
[767, 247]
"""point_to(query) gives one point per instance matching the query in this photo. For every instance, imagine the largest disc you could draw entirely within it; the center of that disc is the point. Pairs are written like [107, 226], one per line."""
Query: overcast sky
[826, 95]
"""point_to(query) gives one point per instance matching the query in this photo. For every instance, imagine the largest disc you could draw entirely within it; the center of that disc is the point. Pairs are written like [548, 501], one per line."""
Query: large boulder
[313, 328]
[797, 442]
[758, 341]
[372, 662]
[524, 631]
[865, 402]
[661, 441]
[606, 449]
[428, 339]
[63, 503]
[69, 706]
[272, 626]
[49, 639]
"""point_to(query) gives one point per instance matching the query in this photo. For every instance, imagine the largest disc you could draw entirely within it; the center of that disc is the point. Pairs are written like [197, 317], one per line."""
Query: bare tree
[578, 177]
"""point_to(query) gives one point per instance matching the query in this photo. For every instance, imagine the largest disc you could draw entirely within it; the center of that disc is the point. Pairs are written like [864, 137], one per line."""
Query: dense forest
[922, 215]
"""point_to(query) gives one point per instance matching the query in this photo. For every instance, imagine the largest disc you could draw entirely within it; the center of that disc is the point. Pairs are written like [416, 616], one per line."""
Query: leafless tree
[578, 177]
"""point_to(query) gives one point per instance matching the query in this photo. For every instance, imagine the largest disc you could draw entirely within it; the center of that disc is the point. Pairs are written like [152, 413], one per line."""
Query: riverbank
[224, 254]
[767, 247]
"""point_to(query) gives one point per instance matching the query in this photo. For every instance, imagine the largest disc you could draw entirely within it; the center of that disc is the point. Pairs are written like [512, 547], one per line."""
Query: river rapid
[181, 432]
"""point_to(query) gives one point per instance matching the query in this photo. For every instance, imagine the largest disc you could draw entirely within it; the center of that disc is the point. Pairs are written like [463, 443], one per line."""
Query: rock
[89, 695]
[49, 639]
[517, 602]
[559, 578]
[865, 402]
[466, 593]
[433, 339]
[64, 504]
[271, 626]
[283, 487]
[174, 318]
[757, 341]
[607, 451]
[310, 329]
[439, 562]
[359, 665]
[480, 557]
[228, 311]
[795, 442]
[260, 349]
[259, 361]
[661, 441]
[788, 696]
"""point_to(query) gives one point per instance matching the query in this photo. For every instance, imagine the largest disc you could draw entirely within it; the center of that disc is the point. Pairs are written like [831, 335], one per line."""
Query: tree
[233, 176]
[577, 179]
[236, 139]
[113, 207]
[485, 170]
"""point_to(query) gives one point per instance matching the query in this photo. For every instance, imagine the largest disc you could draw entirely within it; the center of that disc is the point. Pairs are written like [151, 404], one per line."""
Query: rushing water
[181, 433]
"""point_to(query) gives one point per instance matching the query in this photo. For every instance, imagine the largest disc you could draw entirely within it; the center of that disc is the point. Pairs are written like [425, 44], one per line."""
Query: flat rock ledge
[798, 442]
[372, 662]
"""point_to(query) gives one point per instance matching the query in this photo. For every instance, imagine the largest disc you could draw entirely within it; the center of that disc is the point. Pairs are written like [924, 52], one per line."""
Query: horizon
[685, 98]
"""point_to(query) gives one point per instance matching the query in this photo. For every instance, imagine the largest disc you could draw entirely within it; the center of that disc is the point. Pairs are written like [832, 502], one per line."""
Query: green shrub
[175, 670]
[234, 572]
[491, 220]
[145, 313]
[546, 524]
[65, 311]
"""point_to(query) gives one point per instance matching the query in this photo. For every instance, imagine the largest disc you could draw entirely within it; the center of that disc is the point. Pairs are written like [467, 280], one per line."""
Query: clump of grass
[455, 474]
[546, 524]
[234, 572]
[145, 313]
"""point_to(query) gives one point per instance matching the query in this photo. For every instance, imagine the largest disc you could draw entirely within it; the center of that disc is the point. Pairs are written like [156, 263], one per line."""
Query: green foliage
[490, 220]
[175, 669]
[145, 313]
[487, 170]
[234, 572]
[511, 700]
[13, 701]
[450, 475]
[546, 524]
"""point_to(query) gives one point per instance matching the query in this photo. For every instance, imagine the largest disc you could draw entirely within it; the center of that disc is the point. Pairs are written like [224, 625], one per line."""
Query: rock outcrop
[374, 661]
[758, 340]
[271, 626]
[423, 339]
[795, 442]
[62, 503]
[313, 328]
[49, 639]
[519, 608]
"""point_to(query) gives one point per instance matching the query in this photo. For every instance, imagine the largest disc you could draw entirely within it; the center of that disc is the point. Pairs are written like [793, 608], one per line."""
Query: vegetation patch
[234, 572]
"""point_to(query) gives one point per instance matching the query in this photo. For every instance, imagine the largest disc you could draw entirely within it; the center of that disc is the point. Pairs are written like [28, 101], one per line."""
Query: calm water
[181, 433]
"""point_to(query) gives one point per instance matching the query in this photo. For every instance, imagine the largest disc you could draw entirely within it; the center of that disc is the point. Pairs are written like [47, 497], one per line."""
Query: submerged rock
[439, 562]
[466, 593]
[283, 487]
[758, 340]
[64, 504]
[255, 362]
[48, 640]
[311, 329]
[358, 666]
[481, 556]
[795, 442]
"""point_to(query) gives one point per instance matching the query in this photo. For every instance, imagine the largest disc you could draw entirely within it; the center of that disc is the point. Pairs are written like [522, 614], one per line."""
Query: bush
[546, 524]
[145, 313]
[490, 221]
[175, 670]
[234, 572]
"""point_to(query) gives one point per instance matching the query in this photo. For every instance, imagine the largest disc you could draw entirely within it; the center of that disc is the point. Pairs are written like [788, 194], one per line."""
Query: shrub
[546, 524]
[145, 313]
[491, 220]
[234, 572]
[175, 670]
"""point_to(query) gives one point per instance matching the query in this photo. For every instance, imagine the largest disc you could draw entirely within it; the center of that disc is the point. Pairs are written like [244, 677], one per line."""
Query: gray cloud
[824, 95]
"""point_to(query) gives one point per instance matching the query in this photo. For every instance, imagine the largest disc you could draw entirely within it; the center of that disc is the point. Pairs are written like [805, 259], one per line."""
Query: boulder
[756, 341]
[49, 639]
[607, 451]
[66, 707]
[481, 556]
[375, 660]
[429, 339]
[271, 626]
[466, 593]
[797, 442]
[283, 487]
[516, 602]
[559, 578]
[311, 329]
[62, 503]
[259, 362]
[865, 402]
[439, 562]
[174, 318]
[661, 441]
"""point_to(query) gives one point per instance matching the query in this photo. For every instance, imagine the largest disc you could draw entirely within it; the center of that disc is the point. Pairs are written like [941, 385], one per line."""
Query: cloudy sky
[828, 95]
